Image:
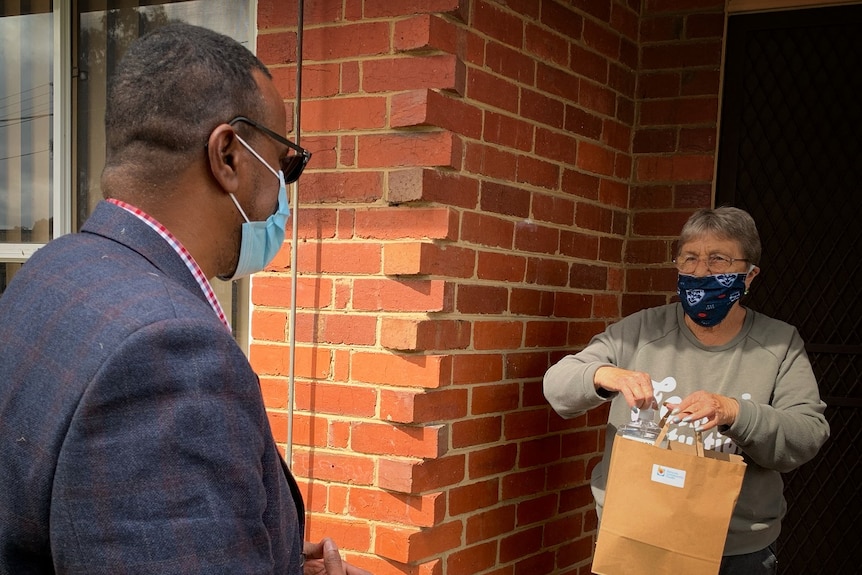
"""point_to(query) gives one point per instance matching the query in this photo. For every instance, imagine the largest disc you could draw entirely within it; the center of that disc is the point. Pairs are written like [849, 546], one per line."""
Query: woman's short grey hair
[727, 223]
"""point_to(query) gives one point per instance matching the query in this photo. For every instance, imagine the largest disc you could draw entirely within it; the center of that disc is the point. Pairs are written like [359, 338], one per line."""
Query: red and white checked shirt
[190, 262]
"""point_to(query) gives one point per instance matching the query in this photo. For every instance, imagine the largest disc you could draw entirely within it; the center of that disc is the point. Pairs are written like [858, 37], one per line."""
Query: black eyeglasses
[291, 165]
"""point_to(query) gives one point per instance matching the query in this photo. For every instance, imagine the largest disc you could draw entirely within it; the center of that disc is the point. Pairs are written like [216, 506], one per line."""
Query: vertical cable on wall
[291, 324]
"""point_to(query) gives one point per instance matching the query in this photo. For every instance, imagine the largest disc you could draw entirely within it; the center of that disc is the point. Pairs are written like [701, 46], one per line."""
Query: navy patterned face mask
[707, 299]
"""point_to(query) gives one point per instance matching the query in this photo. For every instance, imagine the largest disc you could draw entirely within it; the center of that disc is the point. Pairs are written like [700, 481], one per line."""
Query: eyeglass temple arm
[299, 149]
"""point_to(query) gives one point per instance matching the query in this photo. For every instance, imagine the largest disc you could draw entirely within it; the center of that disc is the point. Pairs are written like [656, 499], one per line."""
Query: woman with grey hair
[714, 366]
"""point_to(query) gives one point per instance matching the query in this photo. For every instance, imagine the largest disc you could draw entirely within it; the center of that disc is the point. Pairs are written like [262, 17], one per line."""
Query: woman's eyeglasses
[715, 263]
[291, 165]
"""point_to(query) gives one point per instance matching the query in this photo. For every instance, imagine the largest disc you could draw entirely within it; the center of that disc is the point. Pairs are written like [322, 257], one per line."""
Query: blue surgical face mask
[261, 241]
[707, 300]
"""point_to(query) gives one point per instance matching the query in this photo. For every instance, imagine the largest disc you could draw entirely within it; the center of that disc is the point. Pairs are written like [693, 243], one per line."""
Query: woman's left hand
[704, 410]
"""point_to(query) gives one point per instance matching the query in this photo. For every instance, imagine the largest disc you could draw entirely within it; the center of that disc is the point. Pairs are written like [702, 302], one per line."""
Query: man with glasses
[133, 434]
[712, 365]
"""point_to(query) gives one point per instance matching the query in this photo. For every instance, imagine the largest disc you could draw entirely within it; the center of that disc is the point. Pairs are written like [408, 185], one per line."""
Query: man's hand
[323, 558]
[635, 386]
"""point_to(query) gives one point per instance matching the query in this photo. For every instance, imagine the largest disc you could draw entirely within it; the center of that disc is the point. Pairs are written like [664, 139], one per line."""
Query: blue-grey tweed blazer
[133, 435]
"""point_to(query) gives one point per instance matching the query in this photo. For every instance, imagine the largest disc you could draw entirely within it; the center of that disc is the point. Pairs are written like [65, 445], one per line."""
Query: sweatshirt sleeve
[568, 384]
[790, 430]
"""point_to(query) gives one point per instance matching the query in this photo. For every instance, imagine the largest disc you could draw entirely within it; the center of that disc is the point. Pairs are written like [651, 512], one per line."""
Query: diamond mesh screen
[791, 155]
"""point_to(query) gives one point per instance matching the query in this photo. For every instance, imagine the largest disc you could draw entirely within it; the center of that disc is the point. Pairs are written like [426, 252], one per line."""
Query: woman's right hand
[636, 386]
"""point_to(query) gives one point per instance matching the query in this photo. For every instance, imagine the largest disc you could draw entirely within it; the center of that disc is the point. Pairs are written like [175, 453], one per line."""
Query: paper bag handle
[665, 425]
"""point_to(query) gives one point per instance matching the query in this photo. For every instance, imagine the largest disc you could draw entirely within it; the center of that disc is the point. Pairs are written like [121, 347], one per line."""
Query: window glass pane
[26, 115]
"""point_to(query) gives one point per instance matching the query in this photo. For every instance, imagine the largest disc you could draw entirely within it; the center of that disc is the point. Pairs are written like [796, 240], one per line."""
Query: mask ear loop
[239, 207]
[750, 269]
[277, 174]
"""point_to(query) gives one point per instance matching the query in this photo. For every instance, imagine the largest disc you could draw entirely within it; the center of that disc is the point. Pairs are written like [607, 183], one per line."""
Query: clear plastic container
[643, 429]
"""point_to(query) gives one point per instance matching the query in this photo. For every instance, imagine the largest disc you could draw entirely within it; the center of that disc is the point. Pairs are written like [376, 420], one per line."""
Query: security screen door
[790, 153]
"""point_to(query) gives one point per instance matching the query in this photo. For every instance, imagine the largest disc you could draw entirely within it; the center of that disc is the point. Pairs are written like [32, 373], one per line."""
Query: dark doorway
[791, 154]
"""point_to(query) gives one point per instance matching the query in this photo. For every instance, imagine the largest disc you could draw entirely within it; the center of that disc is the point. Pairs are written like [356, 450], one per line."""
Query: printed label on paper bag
[668, 475]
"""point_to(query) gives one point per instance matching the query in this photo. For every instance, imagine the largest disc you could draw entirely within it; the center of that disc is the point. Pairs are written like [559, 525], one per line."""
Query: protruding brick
[426, 371]
[408, 406]
[424, 258]
[406, 222]
[409, 149]
[409, 73]
[432, 185]
[412, 475]
[398, 440]
[433, 108]
[409, 334]
[412, 545]
[402, 295]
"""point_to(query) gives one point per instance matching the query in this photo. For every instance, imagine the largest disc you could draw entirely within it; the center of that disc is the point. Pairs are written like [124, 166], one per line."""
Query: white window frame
[61, 182]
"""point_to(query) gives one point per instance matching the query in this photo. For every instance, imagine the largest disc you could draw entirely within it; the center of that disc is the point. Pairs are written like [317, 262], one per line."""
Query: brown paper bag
[666, 510]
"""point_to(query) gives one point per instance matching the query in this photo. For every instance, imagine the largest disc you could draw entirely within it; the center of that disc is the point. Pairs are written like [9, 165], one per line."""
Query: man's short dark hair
[172, 88]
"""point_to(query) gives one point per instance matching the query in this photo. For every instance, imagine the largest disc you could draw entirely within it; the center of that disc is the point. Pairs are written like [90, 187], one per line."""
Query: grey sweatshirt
[780, 424]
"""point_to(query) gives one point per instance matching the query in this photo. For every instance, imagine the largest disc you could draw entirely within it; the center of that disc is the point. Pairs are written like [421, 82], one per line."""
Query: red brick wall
[492, 183]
